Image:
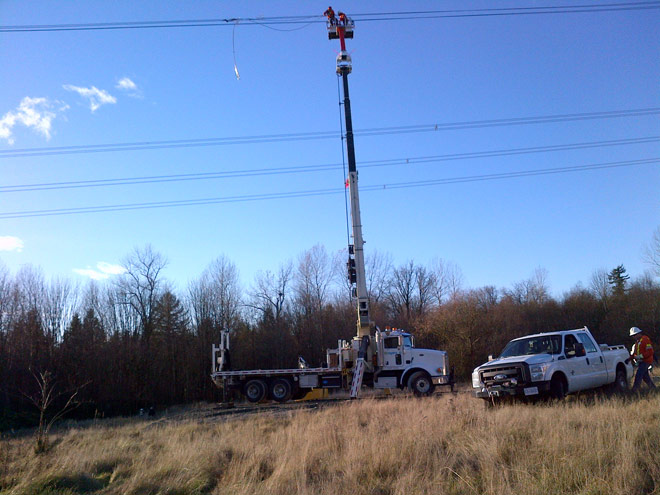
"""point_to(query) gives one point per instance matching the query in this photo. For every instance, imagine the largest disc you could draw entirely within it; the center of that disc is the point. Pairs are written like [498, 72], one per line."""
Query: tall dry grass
[441, 445]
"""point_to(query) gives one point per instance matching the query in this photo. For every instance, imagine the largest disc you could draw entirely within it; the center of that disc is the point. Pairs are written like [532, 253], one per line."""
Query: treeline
[134, 341]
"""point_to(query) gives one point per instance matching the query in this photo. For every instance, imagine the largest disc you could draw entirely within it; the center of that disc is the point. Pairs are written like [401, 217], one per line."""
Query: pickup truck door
[578, 368]
[595, 360]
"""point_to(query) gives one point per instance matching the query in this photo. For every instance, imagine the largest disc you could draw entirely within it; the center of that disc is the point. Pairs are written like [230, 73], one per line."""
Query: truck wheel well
[407, 374]
[560, 376]
[620, 383]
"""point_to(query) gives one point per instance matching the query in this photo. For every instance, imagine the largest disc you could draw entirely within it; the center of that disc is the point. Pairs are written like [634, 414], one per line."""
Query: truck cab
[401, 364]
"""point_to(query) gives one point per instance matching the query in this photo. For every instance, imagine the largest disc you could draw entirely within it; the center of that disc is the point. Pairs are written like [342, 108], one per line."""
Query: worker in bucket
[330, 14]
[642, 355]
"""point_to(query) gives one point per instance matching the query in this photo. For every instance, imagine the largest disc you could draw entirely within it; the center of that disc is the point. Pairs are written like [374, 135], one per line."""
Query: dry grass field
[441, 445]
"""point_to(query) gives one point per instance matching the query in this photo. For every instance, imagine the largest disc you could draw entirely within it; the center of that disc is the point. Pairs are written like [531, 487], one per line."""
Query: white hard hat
[634, 331]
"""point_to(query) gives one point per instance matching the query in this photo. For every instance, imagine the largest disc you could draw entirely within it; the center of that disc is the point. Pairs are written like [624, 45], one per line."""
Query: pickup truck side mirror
[576, 351]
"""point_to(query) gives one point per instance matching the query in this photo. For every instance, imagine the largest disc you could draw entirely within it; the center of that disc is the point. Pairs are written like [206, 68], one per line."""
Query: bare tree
[6, 289]
[269, 299]
[140, 286]
[45, 398]
[312, 278]
[92, 297]
[425, 286]
[270, 291]
[117, 313]
[486, 297]
[533, 290]
[216, 296]
[448, 279]
[29, 285]
[600, 286]
[59, 302]
[312, 282]
[378, 267]
[401, 290]
[411, 291]
[341, 281]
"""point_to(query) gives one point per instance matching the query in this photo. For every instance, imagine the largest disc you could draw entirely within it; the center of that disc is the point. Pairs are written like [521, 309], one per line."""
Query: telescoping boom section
[380, 359]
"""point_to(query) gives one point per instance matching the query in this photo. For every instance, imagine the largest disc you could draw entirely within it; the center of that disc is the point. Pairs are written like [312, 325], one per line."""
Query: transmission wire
[366, 17]
[317, 135]
[318, 168]
[322, 192]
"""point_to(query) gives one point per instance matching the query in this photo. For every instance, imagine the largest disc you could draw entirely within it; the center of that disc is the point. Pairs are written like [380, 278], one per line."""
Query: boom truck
[381, 359]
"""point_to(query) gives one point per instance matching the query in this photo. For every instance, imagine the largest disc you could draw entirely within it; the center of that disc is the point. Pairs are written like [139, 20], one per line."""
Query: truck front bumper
[526, 390]
[441, 380]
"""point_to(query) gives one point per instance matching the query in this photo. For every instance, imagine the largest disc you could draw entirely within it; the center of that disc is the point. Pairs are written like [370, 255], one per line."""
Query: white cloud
[129, 87]
[96, 97]
[11, 243]
[103, 272]
[91, 273]
[110, 269]
[126, 84]
[33, 113]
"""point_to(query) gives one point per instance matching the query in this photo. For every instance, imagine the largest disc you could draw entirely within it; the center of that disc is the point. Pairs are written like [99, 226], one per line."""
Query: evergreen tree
[617, 278]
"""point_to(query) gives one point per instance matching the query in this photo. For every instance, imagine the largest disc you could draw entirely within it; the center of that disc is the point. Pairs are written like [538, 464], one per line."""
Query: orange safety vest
[644, 347]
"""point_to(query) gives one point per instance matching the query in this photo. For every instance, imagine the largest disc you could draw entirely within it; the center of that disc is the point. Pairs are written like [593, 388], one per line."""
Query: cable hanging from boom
[233, 48]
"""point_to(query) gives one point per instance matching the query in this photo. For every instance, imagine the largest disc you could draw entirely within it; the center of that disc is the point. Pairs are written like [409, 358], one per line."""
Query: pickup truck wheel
[557, 388]
[255, 390]
[620, 384]
[420, 384]
[281, 390]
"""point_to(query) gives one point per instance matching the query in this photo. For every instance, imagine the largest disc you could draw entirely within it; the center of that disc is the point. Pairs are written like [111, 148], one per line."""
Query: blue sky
[121, 86]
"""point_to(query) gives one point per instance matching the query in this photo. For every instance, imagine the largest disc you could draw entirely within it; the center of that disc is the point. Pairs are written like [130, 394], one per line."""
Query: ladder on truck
[358, 370]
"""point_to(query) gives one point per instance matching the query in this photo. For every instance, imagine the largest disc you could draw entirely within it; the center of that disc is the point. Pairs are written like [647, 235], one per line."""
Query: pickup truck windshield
[544, 344]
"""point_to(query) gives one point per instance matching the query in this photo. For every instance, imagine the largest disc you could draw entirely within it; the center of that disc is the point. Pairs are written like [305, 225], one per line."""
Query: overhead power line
[359, 17]
[322, 192]
[318, 168]
[306, 136]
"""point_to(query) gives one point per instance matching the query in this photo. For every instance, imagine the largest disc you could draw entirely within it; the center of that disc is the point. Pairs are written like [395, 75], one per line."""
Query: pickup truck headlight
[476, 383]
[538, 371]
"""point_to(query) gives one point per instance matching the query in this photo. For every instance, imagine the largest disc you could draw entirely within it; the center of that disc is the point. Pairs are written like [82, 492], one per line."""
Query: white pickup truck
[552, 364]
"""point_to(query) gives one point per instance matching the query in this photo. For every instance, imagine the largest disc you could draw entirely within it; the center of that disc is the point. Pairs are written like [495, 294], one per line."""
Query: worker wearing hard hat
[330, 14]
[642, 354]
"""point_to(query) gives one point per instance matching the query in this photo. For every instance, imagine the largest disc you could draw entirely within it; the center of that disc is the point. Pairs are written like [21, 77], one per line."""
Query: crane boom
[339, 28]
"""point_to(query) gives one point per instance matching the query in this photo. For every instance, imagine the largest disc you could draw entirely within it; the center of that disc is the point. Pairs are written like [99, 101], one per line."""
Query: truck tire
[281, 390]
[620, 384]
[557, 388]
[420, 384]
[255, 390]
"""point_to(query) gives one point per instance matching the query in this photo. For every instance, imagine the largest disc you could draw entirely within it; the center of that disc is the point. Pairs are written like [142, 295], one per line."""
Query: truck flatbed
[290, 371]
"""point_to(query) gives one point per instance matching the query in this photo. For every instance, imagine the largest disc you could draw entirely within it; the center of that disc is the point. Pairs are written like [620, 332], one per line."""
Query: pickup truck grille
[503, 374]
